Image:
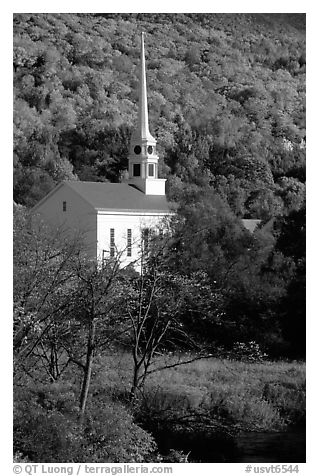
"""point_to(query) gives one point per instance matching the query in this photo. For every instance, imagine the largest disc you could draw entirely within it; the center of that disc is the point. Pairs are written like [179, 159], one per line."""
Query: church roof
[118, 196]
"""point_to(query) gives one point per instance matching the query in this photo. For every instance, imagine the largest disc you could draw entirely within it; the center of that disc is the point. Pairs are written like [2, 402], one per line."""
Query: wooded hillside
[226, 103]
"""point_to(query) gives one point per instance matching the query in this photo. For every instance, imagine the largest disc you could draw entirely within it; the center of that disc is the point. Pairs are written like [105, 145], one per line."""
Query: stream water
[284, 447]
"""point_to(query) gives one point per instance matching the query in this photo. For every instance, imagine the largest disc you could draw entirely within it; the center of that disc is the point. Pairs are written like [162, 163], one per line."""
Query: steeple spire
[143, 110]
[143, 160]
[142, 130]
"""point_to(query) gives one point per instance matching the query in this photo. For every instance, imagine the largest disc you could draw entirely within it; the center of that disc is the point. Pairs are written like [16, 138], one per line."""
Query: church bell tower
[143, 159]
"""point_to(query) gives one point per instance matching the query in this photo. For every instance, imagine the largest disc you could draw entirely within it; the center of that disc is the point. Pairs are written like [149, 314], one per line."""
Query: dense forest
[226, 103]
[227, 106]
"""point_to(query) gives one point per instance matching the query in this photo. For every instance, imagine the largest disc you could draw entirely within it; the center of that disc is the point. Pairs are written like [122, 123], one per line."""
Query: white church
[114, 216]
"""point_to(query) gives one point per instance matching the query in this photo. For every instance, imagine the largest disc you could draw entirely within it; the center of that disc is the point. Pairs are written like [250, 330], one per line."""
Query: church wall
[121, 223]
[78, 215]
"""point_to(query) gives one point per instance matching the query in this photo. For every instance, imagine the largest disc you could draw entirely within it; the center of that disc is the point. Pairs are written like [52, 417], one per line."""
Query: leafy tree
[62, 302]
[42, 277]
[245, 287]
[206, 235]
[293, 305]
[293, 193]
[91, 311]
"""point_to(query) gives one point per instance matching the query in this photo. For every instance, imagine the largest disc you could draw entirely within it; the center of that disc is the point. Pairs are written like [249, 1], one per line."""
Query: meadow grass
[265, 396]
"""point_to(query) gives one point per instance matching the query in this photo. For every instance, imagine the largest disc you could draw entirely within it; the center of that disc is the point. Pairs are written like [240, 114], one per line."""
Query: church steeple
[142, 129]
[143, 160]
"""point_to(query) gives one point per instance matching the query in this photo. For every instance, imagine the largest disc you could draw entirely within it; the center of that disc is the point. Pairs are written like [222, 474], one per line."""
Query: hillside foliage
[226, 103]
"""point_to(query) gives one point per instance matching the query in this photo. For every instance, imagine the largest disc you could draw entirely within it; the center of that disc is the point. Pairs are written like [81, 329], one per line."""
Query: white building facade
[124, 234]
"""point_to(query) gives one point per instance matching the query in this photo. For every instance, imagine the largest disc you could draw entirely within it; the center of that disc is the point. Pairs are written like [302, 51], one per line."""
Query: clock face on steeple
[137, 149]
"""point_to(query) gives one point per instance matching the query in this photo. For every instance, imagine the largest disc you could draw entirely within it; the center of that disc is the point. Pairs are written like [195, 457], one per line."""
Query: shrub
[290, 400]
[247, 352]
[46, 428]
[112, 436]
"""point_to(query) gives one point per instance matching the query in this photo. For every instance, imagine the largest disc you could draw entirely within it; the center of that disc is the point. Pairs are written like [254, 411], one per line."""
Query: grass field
[264, 396]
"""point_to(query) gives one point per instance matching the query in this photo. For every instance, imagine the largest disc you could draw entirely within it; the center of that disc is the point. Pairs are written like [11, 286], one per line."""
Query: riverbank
[204, 407]
[267, 396]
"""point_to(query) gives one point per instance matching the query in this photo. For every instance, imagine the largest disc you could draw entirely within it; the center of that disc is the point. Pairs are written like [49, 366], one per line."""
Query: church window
[136, 170]
[129, 242]
[112, 242]
[150, 149]
[151, 170]
[137, 149]
[64, 206]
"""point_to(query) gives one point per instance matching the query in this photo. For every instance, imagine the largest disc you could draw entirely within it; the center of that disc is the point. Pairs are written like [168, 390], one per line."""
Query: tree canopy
[226, 103]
